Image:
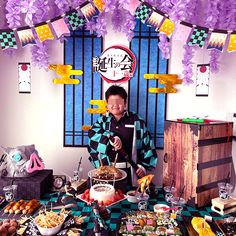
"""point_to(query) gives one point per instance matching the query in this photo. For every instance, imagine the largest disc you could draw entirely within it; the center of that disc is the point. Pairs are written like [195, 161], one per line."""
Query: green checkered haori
[99, 142]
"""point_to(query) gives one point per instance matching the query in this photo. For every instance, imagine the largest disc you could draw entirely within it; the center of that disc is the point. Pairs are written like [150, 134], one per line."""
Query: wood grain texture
[195, 166]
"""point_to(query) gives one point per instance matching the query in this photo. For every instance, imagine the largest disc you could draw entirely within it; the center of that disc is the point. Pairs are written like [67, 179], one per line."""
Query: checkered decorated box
[30, 187]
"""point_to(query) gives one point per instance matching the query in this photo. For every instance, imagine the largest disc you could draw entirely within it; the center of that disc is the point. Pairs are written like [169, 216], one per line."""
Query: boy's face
[116, 105]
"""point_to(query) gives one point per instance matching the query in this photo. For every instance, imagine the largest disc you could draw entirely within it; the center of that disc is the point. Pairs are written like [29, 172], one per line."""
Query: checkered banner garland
[217, 41]
[26, 36]
[198, 37]
[155, 19]
[88, 10]
[232, 42]
[99, 4]
[44, 32]
[182, 31]
[167, 27]
[60, 27]
[7, 39]
[75, 19]
[143, 12]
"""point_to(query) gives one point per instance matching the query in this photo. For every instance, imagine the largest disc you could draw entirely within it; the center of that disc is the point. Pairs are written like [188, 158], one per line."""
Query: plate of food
[148, 223]
[107, 173]
[51, 223]
[20, 208]
[105, 194]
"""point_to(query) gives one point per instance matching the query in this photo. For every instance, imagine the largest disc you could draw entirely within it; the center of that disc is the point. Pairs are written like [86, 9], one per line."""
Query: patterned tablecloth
[118, 209]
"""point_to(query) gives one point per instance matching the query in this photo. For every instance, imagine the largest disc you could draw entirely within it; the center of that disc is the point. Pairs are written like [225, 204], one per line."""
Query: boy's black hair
[116, 90]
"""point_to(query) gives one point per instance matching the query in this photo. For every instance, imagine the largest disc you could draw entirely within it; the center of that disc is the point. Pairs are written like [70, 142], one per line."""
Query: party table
[124, 206]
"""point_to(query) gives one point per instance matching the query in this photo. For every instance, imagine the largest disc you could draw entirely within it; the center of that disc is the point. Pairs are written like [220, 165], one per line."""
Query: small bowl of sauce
[133, 196]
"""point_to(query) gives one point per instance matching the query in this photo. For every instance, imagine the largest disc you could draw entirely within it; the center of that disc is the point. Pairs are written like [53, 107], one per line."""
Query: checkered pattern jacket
[99, 142]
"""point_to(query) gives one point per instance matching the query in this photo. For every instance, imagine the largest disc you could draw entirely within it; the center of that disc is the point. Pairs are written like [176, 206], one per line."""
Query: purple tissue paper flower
[187, 64]
[164, 46]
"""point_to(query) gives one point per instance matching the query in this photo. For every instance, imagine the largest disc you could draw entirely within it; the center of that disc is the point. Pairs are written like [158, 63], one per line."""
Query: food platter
[91, 174]
[148, 223]
[80, 198]
[12, 209]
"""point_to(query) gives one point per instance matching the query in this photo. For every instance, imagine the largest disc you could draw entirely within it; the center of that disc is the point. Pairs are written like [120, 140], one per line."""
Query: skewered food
[22, 207]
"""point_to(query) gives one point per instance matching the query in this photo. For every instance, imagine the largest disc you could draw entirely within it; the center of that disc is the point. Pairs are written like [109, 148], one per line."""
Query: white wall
[38, 117]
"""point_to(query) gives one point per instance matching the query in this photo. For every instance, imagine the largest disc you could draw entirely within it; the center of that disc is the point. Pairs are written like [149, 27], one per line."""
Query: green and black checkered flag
[75, 20]
[143, 12]
[7, 39]
[198, 37]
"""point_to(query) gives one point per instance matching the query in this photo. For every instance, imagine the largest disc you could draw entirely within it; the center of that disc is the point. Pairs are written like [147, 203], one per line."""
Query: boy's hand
[117, 144]
[140, 172]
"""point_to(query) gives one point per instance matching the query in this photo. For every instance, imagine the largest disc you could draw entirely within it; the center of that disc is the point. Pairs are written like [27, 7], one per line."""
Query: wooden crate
[197, 156]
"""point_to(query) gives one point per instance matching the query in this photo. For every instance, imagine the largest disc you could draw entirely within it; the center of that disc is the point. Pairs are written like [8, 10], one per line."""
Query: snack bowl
[133, 196]
[49, 223]
[161, 209]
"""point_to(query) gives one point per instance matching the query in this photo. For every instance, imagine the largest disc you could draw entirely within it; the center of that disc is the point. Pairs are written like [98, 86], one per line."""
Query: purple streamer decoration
[13, 19]
[181, 12]
[13, 14]
[164, 46]
[28, 8]
[210, 22]
[178, 12]
[40, 56]
[193, 12]
[214, 63]
[101, 25]
[129, 25]
[187, 64]
[212, 14]
[91, 26]
[219, 14]
[230, 17]
[121, 19]
[166, 6]
[118, 19]
[110, 6]
[76, 3]
[63, 5]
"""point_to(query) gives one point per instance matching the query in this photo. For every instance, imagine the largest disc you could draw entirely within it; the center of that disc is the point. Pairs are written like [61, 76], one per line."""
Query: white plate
[79, 197]
[91, 173]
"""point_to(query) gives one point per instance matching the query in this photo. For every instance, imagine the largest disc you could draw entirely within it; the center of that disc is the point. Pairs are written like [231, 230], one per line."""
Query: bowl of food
[161, 209]
[133, 196]
[49, 222]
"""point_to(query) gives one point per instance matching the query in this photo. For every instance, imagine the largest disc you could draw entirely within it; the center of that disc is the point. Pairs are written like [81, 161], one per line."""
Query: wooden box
[197, 156]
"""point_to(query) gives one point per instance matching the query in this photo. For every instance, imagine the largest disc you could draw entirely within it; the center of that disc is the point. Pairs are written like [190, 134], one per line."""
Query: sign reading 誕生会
[116, 64]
